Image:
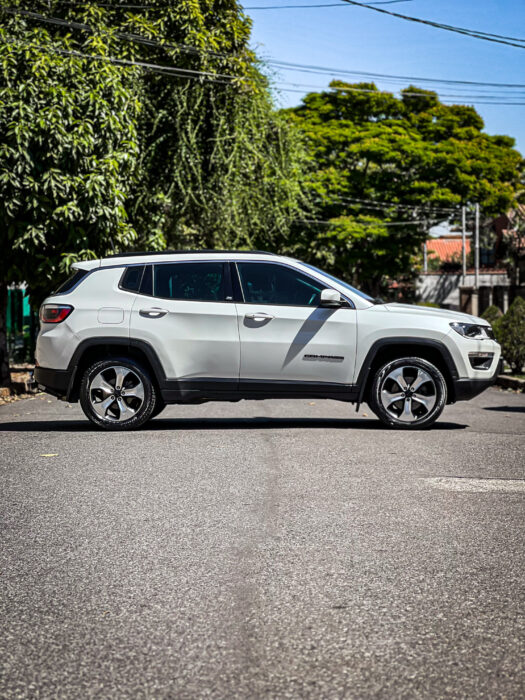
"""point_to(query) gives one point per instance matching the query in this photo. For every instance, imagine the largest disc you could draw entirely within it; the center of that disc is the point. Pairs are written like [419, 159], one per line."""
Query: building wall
[443, 288]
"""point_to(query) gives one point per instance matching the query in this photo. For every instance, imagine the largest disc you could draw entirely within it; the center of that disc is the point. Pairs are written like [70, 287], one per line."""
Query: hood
[439, 313]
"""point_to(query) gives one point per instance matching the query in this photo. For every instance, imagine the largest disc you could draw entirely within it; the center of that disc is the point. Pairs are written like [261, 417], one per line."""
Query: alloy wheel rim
[408, 393]
[116, 394]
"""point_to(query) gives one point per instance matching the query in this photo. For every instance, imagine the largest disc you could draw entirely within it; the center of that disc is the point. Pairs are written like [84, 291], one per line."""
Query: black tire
[413, 409]
[137, 394]
[160, 405]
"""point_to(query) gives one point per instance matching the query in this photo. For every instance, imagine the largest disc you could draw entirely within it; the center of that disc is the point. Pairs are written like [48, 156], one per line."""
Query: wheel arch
[387, 349]
[103, 348]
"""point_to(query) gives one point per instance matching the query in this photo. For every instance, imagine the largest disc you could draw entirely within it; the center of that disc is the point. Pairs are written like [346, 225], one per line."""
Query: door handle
[259, 316]
[155, 312]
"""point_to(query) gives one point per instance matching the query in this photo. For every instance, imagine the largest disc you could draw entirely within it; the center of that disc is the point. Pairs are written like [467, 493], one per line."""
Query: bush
[492, 314]
[510, 332]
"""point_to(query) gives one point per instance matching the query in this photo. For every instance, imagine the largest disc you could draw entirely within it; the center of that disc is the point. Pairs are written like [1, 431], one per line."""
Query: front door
[286, 337]
[190, 324]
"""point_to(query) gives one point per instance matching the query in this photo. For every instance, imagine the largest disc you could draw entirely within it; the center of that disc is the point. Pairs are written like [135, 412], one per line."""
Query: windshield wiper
[378, 300]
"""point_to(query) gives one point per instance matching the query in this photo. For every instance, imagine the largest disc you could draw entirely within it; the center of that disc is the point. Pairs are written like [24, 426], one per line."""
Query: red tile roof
[446, 249]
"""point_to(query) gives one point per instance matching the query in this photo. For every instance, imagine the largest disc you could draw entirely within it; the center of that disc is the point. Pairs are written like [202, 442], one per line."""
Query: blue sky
[358, 39]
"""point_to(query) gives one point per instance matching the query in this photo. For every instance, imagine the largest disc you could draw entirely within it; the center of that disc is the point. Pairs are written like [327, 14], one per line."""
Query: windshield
[336, 279]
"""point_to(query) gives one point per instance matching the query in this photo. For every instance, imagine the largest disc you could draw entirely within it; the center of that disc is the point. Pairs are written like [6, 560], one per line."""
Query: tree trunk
[5, 377]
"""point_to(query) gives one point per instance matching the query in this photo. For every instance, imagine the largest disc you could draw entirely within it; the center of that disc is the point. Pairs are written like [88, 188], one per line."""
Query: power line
[175, 71]
[369, 223]
[487, 36]
[165, 70]
[116, 6]
[113, 5]
[306, 68]
[398, 205]
[329, 4]
[121, 35]
[474, 33]
[445, 102]
[403, 93]
[490, 99]
[283, 65]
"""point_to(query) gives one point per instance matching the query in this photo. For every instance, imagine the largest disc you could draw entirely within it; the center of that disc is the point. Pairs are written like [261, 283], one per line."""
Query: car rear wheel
[117, 394]
[408, 393]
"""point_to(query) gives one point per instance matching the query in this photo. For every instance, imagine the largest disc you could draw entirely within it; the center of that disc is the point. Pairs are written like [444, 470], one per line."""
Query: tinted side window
[71, 282]
[190, 281]
[131, 278]
[266, 283]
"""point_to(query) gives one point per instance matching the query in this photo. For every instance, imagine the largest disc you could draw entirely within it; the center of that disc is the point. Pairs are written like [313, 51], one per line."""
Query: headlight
[472, 330]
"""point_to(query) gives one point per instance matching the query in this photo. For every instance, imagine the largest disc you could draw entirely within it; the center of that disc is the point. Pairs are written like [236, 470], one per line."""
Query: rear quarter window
[132, 277]
[73, 281]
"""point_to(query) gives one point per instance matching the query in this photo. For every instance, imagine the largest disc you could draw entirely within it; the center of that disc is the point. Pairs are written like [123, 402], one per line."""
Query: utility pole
[476, 250]
[475, 291]
[464, 242]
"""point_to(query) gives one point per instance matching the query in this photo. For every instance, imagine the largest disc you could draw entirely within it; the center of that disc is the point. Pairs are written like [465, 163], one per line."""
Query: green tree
[510, 332]
[415, 151]
[514, 240]
[67, 156]
[492, 314]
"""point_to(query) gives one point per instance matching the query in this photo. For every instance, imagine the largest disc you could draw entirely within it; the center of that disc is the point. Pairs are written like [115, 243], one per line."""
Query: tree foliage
[492, 314]
[510, 332]
[415, 152]
[67, 152]
[218, 167]
[226, 171]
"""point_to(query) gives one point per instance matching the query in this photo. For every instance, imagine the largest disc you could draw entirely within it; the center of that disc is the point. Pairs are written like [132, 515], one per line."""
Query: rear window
[75, 279]
[131, 278]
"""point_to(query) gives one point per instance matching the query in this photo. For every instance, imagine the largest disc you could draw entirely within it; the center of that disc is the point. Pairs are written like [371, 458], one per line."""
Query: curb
[510, 382]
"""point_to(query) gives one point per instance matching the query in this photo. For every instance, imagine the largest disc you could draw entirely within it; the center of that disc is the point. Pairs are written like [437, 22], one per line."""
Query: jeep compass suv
[128, 334]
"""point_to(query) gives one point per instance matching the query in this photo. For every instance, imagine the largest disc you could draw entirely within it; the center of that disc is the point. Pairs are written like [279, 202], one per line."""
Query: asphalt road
[277, 549]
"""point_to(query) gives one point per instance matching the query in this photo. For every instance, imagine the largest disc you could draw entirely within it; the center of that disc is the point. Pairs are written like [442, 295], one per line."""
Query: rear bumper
[53, 381]
[465, 389]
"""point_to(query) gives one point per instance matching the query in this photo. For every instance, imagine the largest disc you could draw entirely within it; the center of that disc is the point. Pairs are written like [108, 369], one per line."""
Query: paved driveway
[278, 549]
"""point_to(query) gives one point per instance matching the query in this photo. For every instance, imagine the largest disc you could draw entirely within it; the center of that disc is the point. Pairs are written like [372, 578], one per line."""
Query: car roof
[162, 256]
[198, 251]
[169, 255]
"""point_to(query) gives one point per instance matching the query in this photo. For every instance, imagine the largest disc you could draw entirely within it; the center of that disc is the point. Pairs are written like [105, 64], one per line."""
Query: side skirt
[201, 390]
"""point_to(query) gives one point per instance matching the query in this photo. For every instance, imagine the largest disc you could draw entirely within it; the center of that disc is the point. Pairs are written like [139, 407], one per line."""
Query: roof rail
[181, 252]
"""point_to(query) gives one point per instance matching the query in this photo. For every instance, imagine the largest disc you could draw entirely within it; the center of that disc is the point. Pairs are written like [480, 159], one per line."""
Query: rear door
[285, 335]
[186, 313]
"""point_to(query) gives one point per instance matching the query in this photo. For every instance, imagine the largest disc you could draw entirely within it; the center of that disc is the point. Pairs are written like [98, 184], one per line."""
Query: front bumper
[53, 381]
[465, 389]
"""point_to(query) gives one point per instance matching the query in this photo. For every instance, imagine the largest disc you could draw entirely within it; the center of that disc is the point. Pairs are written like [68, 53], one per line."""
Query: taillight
[54, 313]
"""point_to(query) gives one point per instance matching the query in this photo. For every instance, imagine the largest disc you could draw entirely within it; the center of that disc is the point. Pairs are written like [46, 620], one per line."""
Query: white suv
[128, 334]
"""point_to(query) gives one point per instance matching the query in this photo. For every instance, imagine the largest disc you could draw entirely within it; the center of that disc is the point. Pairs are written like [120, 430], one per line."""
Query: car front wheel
[117, 394]
[408, 393]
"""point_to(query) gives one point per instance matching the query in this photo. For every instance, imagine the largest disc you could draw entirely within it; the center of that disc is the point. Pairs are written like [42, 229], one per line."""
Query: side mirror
[330, 298]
